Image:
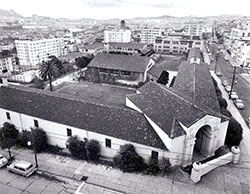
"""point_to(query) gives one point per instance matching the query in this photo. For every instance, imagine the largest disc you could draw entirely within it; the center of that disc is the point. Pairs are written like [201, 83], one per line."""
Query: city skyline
[124, 9]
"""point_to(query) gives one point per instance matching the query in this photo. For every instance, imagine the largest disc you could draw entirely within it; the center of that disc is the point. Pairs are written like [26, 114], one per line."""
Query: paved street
[65, 174]
[242, 88]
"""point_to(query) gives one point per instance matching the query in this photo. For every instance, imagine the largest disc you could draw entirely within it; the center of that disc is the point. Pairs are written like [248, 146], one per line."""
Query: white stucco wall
[57, 134]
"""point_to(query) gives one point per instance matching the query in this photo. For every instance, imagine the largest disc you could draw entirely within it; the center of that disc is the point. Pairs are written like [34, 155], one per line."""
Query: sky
[125, 9]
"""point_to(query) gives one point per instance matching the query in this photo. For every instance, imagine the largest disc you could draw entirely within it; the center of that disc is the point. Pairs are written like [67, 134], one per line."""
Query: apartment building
[177, 44]
[194, 28]
[121, 35]
[7, 63]
[31, 52]
[148, 35]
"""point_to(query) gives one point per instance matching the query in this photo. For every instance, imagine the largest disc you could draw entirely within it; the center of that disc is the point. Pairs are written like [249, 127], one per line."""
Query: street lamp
[34, 147]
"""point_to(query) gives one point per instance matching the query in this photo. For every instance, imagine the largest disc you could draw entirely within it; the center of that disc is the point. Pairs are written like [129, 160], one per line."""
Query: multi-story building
[194, 28]
[121, 35]
[177, 44]
[32, 52]
[6, 47]
[148, 35]
[240, 34]
[7, 63]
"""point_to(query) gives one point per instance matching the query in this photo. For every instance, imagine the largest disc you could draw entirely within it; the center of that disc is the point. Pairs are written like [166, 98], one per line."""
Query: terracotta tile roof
[120, 62]
[65, 109]
[195, 81]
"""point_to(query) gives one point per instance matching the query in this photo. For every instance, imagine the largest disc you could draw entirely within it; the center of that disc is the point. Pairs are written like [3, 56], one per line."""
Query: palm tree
[51, 69]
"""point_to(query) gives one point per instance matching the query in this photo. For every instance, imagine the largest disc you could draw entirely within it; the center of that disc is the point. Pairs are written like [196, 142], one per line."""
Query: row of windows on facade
[108, 142]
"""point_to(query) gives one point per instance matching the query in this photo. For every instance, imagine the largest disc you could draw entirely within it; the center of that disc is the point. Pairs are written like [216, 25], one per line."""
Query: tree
[128, 160]
[163, 79]
[82, 62]
[77, 147]
[39, 139]
[93, 150]
[8, 136]
[51, 69]
[234, 133]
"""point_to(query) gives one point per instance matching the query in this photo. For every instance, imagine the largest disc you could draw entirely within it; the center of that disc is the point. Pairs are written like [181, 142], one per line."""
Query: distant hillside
[9, 14]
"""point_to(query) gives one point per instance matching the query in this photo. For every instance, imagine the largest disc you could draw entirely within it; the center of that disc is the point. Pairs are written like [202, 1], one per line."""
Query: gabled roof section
[194, 81]
[166, 107]
[120, 62]
[116, 122]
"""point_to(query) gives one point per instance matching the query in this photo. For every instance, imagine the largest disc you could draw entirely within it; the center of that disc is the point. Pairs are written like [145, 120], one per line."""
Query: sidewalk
[245, 145]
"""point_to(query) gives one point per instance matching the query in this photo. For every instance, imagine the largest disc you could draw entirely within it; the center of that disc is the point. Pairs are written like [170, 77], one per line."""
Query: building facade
[194, 28]
[177, 44]
[148, 35]
[121, 35]
[118, 69]
[32, 52]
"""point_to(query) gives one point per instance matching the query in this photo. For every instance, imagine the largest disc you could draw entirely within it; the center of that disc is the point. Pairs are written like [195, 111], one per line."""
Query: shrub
[165, 165]
[128, 160]
[234, 133]
[222, 102]
[153, 167]
[23, 138]
[93, 150]
[40, 138]
[226, 112]
[77, 147]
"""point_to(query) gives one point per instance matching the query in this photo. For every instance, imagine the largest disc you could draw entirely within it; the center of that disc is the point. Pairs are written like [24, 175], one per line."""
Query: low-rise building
[176, 123]
[119, 69]
[128, 48]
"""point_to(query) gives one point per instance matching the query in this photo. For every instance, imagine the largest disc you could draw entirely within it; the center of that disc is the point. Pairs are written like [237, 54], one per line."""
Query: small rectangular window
[154, 155]
[36, 124]
[108, 143]
[69, 132]
[8, 115]
[127, 73]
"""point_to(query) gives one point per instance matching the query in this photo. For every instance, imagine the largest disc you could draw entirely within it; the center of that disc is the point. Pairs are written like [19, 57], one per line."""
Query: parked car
[226, 58]
[224, 83]
[218, 73]
[22, 167]
[239, 103]
[3, 161]
[234, 96]
[248, 121]
[228, 88]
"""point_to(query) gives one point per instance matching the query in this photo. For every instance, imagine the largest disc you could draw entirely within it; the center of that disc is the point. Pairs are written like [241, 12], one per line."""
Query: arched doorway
[202, 143]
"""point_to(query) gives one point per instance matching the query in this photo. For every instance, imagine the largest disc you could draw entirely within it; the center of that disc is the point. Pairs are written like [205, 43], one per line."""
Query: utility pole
[216, 58]
[232, 85]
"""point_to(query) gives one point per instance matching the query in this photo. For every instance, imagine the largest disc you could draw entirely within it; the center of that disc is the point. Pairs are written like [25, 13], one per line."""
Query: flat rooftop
[98, 93]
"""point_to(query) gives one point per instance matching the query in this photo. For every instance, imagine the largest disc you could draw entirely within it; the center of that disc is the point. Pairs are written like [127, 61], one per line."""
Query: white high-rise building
[32, 52]
[121, 35]
[194, 28]
[148, 35]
